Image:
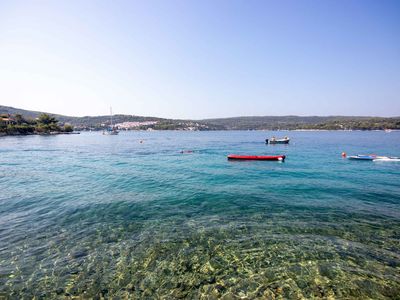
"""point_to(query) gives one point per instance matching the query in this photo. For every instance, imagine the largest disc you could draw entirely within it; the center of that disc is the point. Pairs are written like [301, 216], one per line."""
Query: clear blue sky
[200, 59]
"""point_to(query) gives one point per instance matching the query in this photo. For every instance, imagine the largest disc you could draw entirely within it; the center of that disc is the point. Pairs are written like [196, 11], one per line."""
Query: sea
[132, 217]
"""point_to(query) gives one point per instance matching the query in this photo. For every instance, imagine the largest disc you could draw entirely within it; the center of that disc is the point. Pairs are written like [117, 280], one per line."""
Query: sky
[201, 59]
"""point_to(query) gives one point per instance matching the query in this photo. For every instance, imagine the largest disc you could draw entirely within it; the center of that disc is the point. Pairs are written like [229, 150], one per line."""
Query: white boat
[373, 157]
[274, 140]
[111, 130]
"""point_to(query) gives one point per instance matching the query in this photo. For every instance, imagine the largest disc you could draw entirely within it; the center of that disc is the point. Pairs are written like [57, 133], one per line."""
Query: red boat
[257, 157]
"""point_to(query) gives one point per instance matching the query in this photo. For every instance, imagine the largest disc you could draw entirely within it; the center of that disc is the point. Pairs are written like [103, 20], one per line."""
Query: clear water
[107, 216]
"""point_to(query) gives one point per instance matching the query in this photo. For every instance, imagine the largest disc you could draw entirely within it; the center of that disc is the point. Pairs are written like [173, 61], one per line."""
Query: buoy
[344, 154]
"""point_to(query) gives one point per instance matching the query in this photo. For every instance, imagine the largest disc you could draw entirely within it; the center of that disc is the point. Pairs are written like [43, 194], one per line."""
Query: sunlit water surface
[106, 216]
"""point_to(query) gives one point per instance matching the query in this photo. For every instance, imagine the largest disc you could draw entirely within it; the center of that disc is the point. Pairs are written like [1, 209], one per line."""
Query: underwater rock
[269, 295]
[104, 292]
[220, 288]
[328, 271]
[207, 268]
[78, 253]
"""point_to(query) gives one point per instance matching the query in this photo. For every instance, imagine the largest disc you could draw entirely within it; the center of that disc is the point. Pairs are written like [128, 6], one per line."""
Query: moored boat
[273, 140]
[111, 130]
[373, 157]
[256, 157]
[362, 157]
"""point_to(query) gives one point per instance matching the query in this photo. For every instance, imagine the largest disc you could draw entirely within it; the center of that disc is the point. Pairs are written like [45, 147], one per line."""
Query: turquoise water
[107, 216]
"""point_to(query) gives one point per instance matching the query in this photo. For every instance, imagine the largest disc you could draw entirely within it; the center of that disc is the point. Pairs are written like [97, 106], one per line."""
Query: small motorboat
[256, 157]
[273, 140]
[363, 157]
[373, 157]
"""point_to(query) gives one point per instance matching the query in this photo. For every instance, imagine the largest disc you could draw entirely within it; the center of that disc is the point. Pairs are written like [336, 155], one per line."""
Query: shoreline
[36, 133]
[2, 134]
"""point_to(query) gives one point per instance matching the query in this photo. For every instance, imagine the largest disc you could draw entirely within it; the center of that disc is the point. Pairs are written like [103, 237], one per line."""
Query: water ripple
[88, 217]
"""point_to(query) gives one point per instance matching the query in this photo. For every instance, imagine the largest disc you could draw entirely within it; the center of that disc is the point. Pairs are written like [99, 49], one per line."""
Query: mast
[111, 117]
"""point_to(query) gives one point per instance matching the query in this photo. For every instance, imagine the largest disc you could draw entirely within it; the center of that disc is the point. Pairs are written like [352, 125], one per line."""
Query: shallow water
[107, 216]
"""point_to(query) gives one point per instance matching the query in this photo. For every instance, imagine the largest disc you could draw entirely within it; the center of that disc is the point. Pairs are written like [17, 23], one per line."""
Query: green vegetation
[180, 125]
[48, 124]
[68, 128]
[19, 125]
[306, 123]
[358, 124]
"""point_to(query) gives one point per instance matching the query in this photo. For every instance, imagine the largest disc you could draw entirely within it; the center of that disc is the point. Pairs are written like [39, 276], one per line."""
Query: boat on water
[362, 157]
[256, 157]
[274, 140]
[111, 130]
[373, 157]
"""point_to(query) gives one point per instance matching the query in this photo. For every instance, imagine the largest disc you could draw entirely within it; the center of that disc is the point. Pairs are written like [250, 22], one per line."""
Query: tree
[46, 123]
[68, 128]
[45, 119]
[19, 119]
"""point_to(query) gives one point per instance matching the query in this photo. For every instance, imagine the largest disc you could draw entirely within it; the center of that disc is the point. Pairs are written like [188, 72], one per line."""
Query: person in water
[187, 151]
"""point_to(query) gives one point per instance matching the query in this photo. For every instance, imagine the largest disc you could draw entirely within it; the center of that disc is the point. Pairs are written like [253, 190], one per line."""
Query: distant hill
[236, 123]
[298, 122]
[267, 122]
[26, 113]
[86, 122]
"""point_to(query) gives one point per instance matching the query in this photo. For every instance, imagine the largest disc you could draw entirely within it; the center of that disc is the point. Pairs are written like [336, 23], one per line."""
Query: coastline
[36, 133]
[2, 134]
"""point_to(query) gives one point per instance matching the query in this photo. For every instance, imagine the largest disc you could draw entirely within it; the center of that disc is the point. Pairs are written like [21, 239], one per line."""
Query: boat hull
[281, 141]
[257, 157]
[110, 132]
[374, 157]
[362, 157]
